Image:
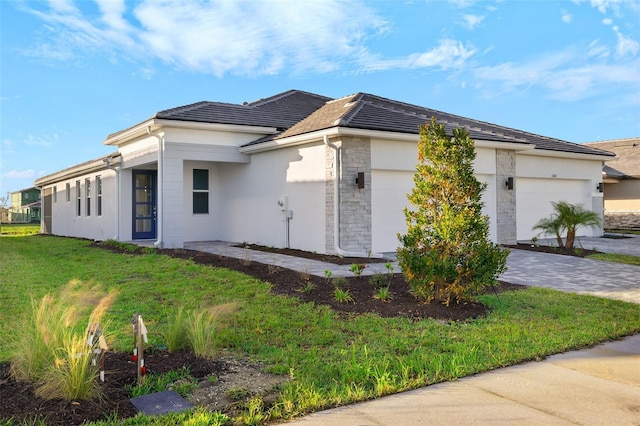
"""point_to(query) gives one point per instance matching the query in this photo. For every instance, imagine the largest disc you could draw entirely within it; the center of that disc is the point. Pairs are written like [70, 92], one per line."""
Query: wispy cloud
[626, 47]
[566, 17]
[446, 55]
[243, 38]
[40, 140]
[564, 76]
[472, 21]
[19, 174]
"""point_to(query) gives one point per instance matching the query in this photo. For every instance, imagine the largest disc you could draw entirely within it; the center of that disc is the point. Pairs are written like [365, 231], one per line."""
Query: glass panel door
[144, 204]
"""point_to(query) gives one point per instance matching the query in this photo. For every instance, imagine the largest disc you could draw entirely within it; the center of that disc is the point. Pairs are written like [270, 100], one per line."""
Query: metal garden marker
[97, 345]
[139, 339]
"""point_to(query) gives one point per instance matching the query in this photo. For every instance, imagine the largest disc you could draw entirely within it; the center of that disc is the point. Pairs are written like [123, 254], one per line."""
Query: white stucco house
[304, 171]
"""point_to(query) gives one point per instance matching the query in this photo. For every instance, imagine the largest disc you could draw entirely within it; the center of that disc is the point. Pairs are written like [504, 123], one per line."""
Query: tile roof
[281, 111]
[627, 151]
[366, 111]
[296, 112]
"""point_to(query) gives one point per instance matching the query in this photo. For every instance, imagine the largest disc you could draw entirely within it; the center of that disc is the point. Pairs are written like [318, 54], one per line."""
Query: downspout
[336, 207]
[159, 213]
[117, 170]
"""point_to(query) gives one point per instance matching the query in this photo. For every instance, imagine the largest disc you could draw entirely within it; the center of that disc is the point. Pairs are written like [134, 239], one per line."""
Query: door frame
[144, 235]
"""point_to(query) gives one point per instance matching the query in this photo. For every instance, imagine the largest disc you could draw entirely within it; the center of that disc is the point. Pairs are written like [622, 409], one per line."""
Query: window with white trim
[55, 194]
[200, 191]
[68, 192]
[98, 195]
[87, 196]
[78, 198]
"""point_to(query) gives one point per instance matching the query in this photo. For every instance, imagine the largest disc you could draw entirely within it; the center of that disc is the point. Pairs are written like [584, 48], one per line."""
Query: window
[87, 193]
[200, 191]
[78, 198]
[99, 195]
[55, 194]
[68, 192]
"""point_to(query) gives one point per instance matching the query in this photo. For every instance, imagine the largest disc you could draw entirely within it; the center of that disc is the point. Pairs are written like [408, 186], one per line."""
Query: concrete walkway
[597, 386]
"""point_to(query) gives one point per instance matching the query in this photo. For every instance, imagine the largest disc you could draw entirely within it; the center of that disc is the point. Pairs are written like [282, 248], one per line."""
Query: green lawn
[332, 359]
[19, 228]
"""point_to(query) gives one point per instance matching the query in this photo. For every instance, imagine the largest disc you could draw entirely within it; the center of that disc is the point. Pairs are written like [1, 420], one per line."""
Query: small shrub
[308, 287]
[51, 348]
[176, 335]
[342, 296]
[378, 280]
[357, 269]
[327, 275]
[203, 326]
[304, 275]
[339, 282]
[383, 294]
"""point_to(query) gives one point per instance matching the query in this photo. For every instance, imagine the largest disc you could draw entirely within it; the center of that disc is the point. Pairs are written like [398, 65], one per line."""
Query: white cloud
[448, 54]
[607, 21]
[19, 174]
[565, 76]
[626, 47]
[41, 141]
[472, 21]
[217, 37]
[566, 17]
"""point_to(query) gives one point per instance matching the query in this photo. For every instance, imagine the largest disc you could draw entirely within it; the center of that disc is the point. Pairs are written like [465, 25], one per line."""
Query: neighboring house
[621, 177]
[25, 206]
[304, 171]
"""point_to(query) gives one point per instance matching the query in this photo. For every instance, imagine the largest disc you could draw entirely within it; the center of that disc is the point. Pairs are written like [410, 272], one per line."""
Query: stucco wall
[249, 196]
[64, 220]
[622, 196]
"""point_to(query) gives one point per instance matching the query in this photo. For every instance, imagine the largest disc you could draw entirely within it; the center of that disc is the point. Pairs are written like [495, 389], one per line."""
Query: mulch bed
[576, 252]
[18, 402]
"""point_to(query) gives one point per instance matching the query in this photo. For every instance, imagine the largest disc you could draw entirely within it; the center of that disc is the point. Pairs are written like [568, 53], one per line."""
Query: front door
[144, 204]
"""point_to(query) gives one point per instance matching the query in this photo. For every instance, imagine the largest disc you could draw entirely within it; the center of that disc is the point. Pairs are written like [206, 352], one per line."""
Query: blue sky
[74, 72]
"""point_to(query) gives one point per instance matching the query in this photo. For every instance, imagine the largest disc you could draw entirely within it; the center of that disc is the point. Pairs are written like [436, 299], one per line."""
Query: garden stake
[140, 336]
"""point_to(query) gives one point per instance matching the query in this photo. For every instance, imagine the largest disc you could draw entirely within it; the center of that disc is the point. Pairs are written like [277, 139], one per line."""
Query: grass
[19, 228]
[618, 258]
[331, 359]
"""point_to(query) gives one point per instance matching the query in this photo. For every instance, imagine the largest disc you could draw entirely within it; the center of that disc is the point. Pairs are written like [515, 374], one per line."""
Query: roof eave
[156, 124]
[565, 154]
[92, 166]
[377, 134]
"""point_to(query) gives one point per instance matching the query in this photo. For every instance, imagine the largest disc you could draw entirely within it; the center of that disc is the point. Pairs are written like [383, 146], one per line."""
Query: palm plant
[567, 218]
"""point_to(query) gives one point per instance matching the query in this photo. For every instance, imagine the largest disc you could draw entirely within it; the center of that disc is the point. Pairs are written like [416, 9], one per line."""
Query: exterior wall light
[509, 183]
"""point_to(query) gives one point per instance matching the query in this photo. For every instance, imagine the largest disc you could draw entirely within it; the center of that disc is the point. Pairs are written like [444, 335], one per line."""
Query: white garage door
[389, 191]
[534, 197]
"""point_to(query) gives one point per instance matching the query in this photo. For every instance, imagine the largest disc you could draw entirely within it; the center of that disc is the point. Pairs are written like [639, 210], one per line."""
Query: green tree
[446, 254]
[567, 218]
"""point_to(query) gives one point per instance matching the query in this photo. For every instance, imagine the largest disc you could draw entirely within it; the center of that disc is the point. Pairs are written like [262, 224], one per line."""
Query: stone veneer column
[355, 203]
[507, 231]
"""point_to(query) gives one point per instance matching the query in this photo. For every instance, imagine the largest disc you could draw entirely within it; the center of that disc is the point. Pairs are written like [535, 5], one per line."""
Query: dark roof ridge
[190, 107]
[354, 105]
[264, 101]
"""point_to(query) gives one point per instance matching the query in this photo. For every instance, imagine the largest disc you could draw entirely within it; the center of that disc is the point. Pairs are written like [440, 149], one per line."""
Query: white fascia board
[75, 171]
[563, 154]
[374, 134]
[158, 124]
